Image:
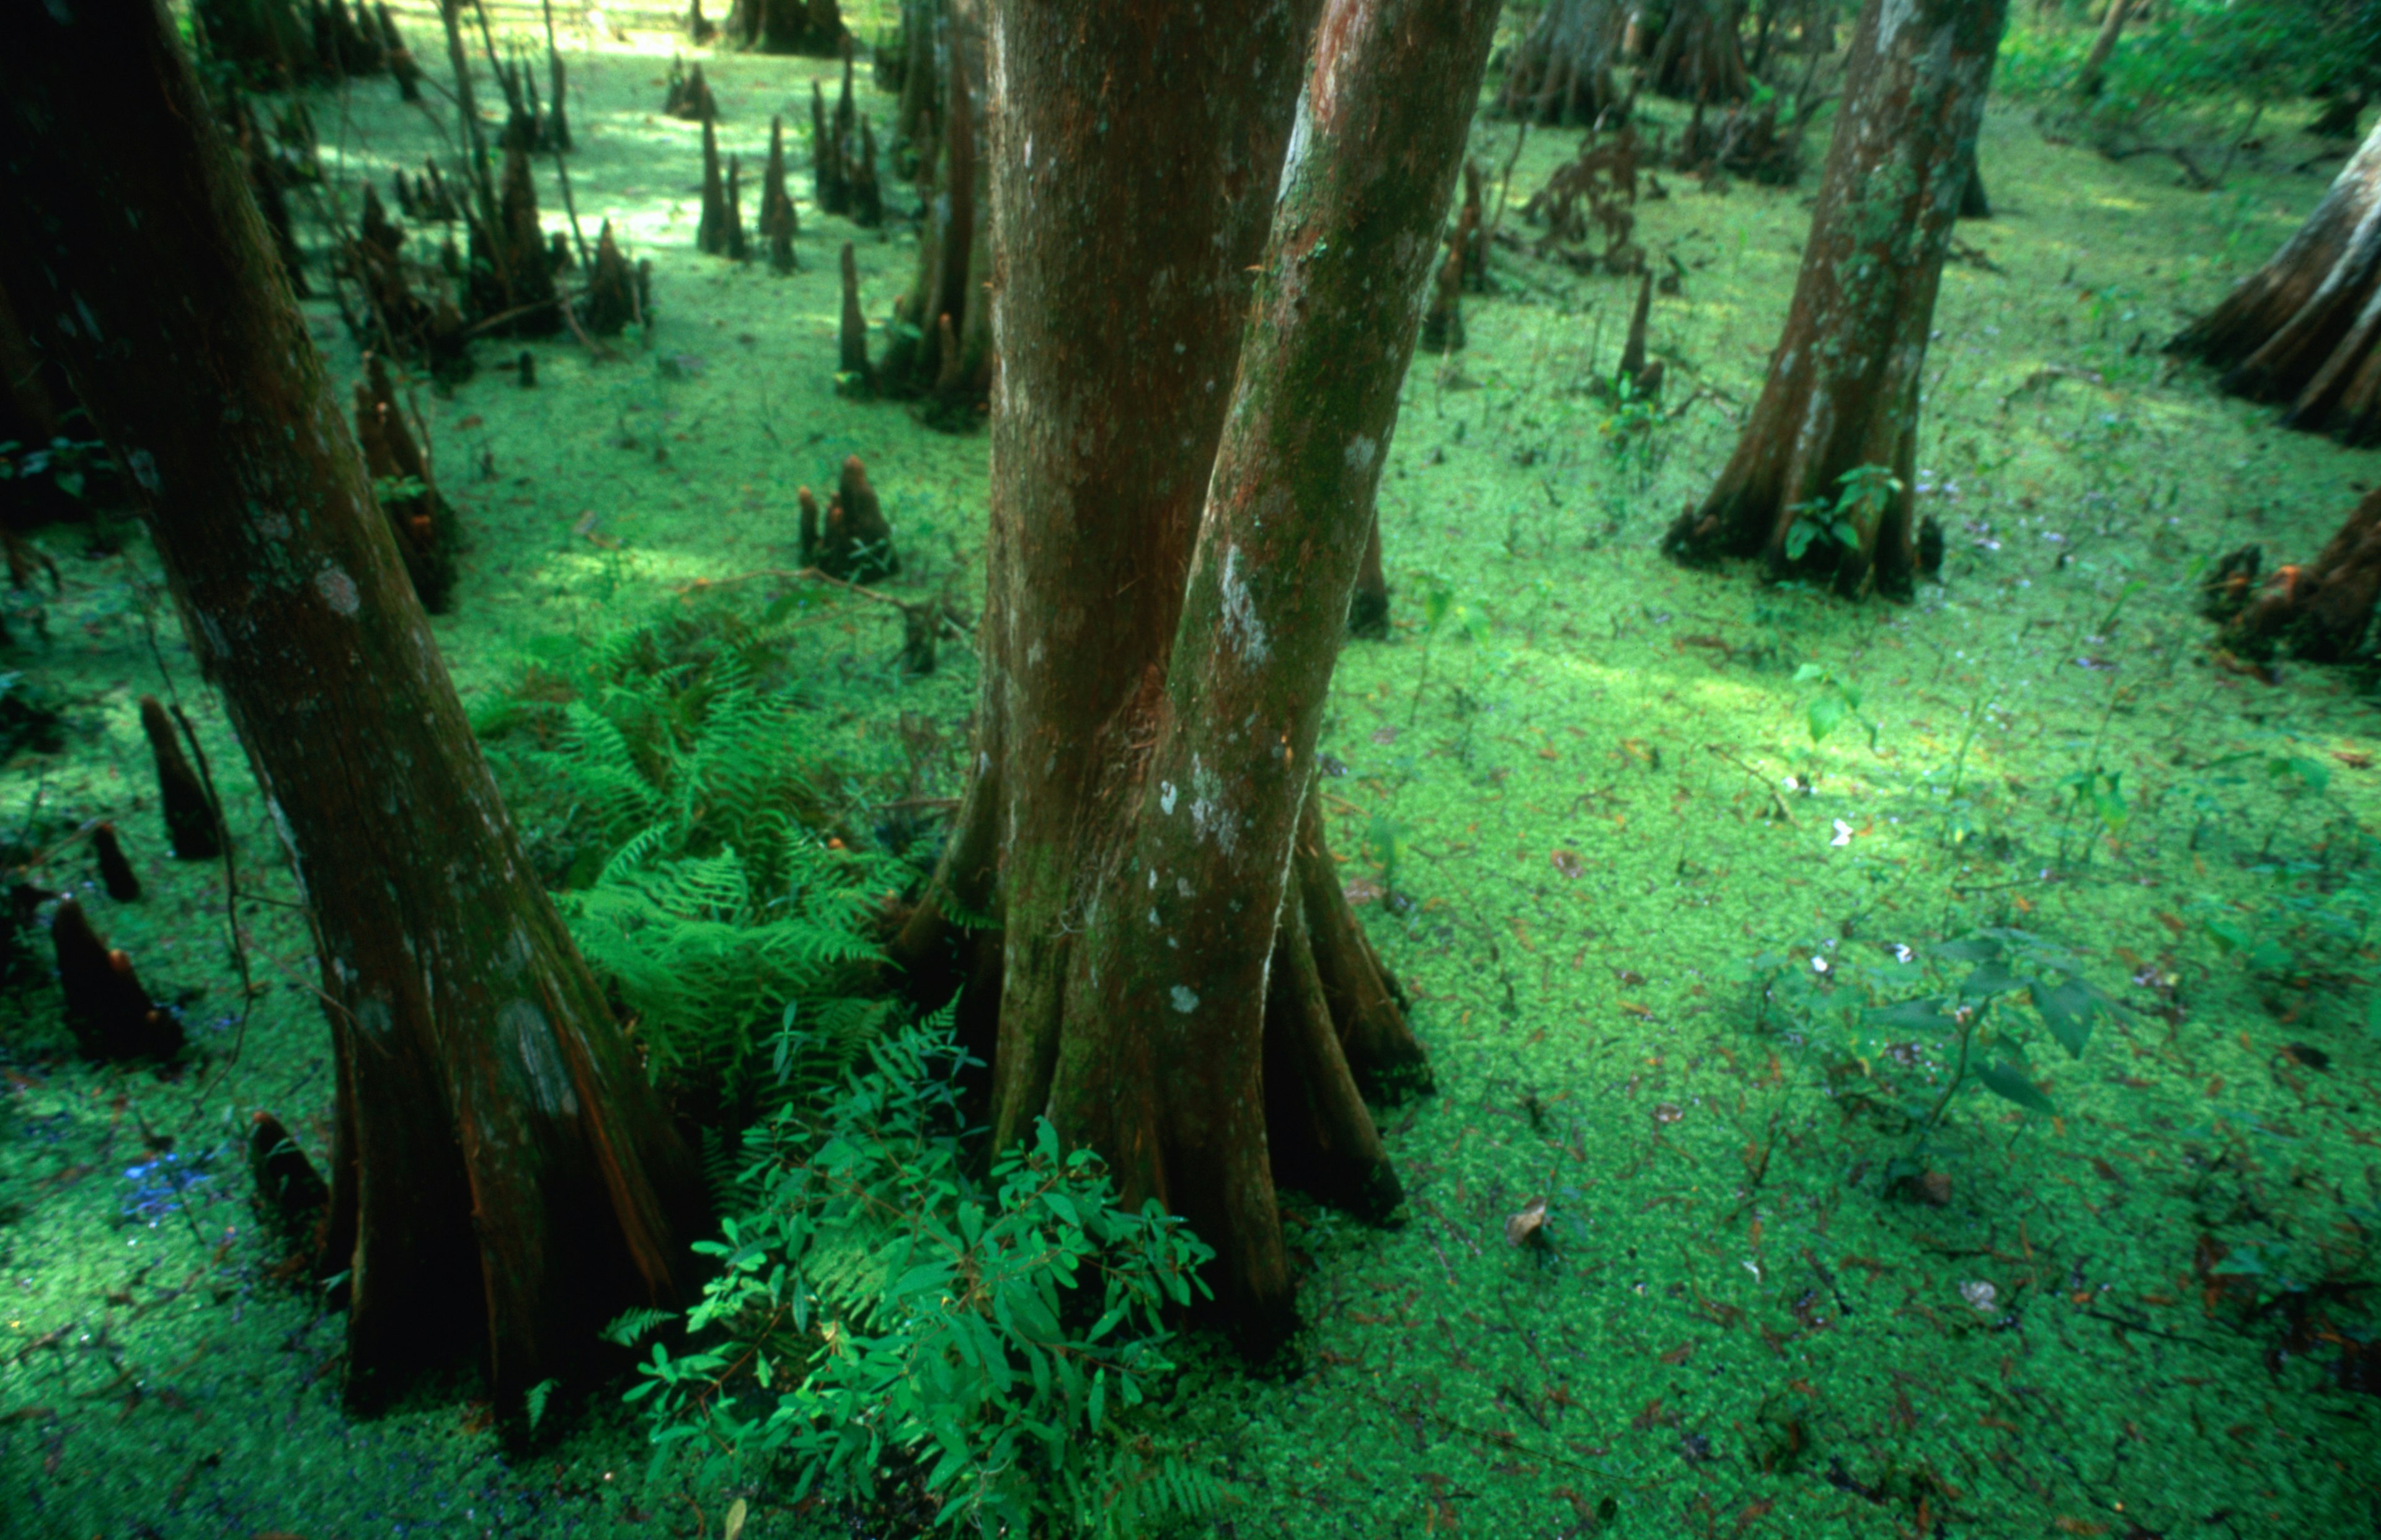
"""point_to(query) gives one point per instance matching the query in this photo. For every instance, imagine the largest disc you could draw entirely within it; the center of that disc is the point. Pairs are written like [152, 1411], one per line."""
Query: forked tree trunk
[2302, 330]
[1562, 71]
[502, 1172]
[1698, 57]
[1842, 391]
[2322, 611]
[1176, 956]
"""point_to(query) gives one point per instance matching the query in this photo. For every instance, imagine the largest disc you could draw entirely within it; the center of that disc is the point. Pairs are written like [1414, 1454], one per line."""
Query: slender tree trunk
[1562, 71]
[2089, 79]
[502, 1172]
[1161, 617]
[1843, 385]
[2302, 330]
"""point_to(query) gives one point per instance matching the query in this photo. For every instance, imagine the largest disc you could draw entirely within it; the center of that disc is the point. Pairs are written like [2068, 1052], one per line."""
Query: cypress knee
[116, 872]
[190, 816]
[111, 1016]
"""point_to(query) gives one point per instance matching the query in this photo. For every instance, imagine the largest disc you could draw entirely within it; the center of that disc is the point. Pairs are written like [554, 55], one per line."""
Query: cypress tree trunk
[1176, 959]
[942, 352]
[2301, 330]
[2322, 611]
[502, 1172]
[1698, 58]
[1842, 391]
[1562, 71]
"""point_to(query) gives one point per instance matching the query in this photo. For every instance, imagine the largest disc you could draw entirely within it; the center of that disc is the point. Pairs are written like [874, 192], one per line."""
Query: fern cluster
[879, 1311]
[675, 785]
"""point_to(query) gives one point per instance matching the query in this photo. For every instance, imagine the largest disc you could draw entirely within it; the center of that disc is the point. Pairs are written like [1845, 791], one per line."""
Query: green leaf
[2009, 1083]
[928, 1278]
[1971, 948]
[1917, 1015]
[1987, 979]
[2068, 1009]
[1826, 713]
[2229, 935]
[536, 1399]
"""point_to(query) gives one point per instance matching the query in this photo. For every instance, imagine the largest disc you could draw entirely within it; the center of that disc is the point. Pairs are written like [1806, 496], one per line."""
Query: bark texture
[1562, 71]
[2301, 331]
[1842, 391]
[1168, 585]
[1698, 57]
[2322, 611]
[503, 1174]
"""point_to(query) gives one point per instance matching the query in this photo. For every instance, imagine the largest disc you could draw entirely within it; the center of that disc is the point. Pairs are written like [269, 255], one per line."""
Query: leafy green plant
[1630, 429]
[1441, 611]
[67, 462]
[2311, 928]
[1867, 489]
[1972, 1030]
[882, 1313]
[398, 489]
[676, 787]
[1838, 701]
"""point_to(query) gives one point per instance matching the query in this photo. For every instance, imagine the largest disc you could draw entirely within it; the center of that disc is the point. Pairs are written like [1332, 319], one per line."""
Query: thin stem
[1959, 1075]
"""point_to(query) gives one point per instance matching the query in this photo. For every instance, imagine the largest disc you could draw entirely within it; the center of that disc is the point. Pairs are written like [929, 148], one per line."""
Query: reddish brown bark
[1170, 587]
[1561, 72]
[110, 1014]
[503, 1174]
[2322, 611]
[1842, 391]
[2302, 330]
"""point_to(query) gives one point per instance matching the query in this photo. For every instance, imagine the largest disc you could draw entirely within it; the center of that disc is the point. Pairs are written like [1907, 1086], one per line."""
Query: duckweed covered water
[1578, 804]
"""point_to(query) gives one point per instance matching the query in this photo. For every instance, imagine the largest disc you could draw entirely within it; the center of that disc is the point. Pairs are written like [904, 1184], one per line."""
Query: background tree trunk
[1698, 57]
[2302, 329]
[1161, 620]
[499, 1154]
[1562, 71]
[1843, 385]
[808, 27]
[948, 366]
[2089, 79]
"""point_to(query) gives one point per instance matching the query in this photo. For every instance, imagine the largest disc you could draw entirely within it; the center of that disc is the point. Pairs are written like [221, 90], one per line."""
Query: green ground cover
[1592, 829]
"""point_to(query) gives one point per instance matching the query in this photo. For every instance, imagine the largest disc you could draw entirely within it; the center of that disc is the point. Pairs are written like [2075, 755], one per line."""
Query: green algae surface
[1590, 826]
